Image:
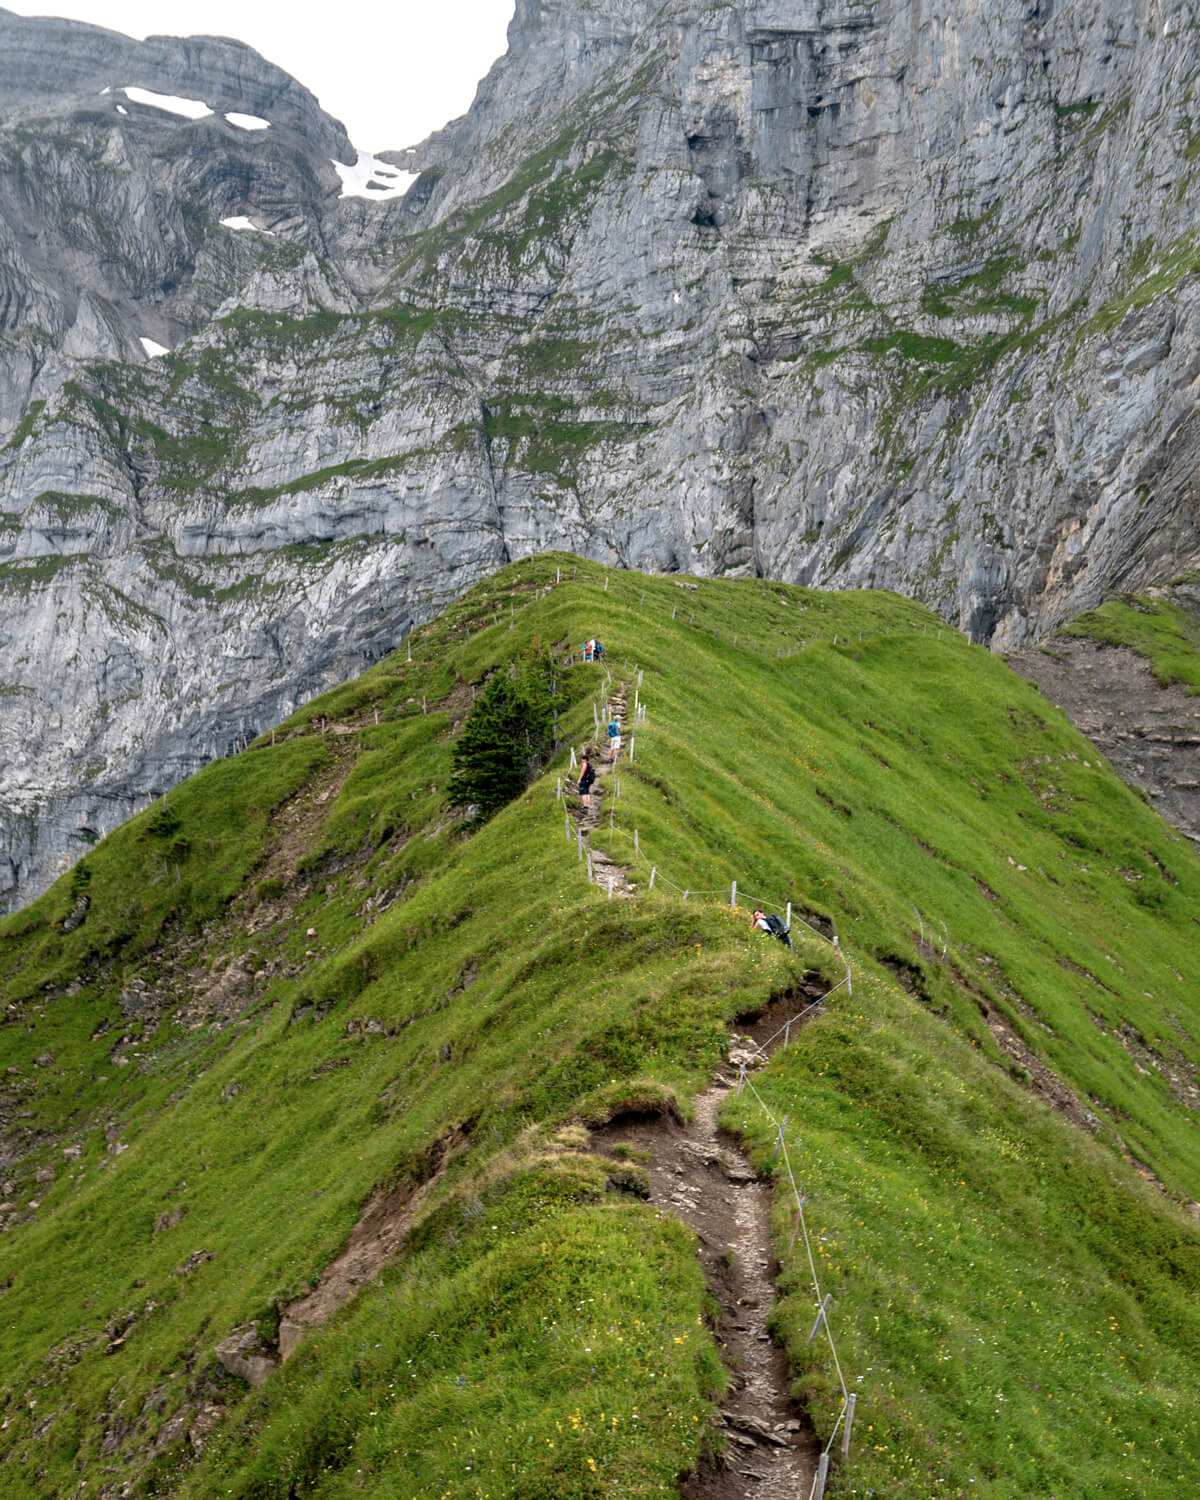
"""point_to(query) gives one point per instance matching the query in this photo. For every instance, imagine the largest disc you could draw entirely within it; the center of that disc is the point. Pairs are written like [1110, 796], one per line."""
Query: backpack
[777, 929]
[587, 778]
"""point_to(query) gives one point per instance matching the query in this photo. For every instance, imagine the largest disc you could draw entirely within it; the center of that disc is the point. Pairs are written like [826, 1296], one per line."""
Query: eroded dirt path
[606, 870]
[383, 1225]
[697, 1171]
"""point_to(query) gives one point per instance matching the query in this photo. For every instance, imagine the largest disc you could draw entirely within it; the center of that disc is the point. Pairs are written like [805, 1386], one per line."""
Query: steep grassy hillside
[300, 996]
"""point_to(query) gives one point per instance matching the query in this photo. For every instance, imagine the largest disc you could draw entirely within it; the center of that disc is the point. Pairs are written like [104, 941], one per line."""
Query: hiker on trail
[771, 925]
[614, 740]
[597, 651]
[589, 648]
[587, 774]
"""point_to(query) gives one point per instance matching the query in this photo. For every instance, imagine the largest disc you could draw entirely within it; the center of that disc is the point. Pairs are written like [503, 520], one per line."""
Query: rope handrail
[823, 1300]
[845, 1415]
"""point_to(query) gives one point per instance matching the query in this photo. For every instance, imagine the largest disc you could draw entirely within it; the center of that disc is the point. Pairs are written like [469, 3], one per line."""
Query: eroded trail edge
[698, 1172]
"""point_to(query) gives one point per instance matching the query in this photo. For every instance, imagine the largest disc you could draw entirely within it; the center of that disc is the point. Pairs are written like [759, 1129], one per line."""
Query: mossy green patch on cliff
[1177, 262]
[289, 329]
[351, 468]
[968, 226]
[65, 508]
[1077, 113]
[545, 436]
[23, 575]
[165, 563]
[26, 425]
[980, 293]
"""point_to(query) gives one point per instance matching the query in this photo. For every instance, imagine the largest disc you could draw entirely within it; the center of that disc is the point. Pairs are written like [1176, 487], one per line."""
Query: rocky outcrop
[118, 161]
[1149, 730]
[846, 292]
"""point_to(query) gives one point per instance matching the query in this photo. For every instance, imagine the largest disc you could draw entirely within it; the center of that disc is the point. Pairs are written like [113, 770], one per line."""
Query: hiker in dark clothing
[771, 925]
[587, 774]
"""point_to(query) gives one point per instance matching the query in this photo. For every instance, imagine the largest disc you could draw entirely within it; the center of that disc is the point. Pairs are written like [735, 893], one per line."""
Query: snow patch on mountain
[371, 178]
[174, 104]
[240, 221]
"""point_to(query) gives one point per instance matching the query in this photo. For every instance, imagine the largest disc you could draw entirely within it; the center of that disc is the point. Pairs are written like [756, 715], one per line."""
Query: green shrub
[508, 736]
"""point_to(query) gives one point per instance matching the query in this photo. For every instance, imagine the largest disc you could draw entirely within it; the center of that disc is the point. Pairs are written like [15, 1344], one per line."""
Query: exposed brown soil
[1042, 1080]
[766, 1445]
[385, 1221]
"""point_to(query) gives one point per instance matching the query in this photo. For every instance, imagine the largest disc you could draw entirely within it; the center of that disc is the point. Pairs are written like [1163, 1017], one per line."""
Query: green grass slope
[301, 984]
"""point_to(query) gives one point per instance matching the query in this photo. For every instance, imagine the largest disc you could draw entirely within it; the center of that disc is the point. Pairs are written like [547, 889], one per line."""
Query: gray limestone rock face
[851, 293]
[118, 161]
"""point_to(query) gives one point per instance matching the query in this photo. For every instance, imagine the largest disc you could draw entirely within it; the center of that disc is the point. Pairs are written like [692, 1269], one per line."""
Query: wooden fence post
[822, 1313]
[850, 1400]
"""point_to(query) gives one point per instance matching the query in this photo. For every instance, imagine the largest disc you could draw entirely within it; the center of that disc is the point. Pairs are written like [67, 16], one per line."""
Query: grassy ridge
[895, 785]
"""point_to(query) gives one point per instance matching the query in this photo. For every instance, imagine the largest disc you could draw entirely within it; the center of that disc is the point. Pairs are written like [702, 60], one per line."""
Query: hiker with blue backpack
[771, 925]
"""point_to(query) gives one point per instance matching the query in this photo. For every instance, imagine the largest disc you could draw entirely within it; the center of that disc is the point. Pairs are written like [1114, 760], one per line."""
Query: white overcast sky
[390, 72]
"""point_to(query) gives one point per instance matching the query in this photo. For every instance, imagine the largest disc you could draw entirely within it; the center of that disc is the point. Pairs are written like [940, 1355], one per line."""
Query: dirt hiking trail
[697, 1172]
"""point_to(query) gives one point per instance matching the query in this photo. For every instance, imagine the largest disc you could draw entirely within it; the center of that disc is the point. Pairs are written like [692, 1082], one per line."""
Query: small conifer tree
[508, 736]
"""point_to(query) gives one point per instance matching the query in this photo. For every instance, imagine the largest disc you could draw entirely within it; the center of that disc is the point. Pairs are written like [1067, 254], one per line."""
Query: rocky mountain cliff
[850, 294]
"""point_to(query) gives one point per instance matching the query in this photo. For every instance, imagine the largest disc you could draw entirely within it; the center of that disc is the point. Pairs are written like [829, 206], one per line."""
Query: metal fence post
[733, 897]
